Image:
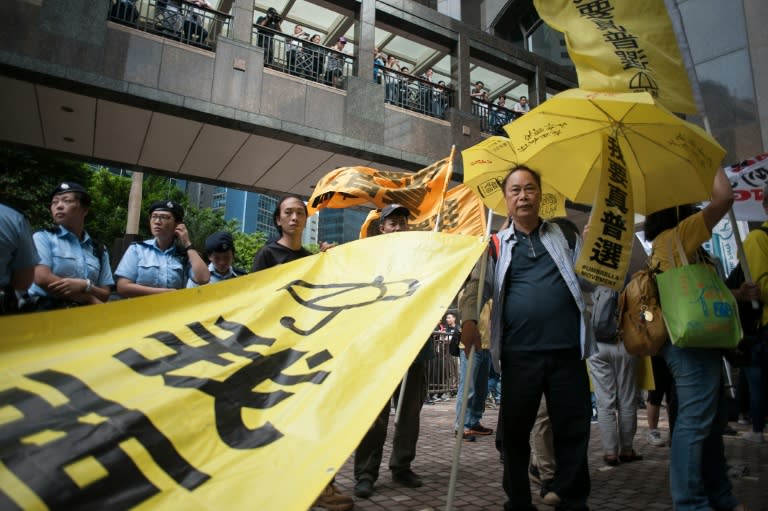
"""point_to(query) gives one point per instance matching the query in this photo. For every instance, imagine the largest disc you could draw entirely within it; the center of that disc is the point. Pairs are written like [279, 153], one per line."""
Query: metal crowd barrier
[443, 370]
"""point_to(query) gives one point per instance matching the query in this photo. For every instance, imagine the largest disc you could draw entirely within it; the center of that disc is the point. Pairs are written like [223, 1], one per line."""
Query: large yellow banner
[245, 394]
[623, 46]
[421, 192]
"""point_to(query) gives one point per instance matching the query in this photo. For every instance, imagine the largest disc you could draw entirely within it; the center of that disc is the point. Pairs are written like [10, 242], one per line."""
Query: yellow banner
[607, 249]
[623, 46]
[462, 213]
[245, 394]
[421, 192]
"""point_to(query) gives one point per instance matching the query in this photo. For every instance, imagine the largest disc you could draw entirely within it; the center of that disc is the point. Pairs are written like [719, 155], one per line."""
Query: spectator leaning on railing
[334, 68]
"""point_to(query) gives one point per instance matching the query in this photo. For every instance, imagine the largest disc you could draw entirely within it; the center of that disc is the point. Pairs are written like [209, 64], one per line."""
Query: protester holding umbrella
[698, 473]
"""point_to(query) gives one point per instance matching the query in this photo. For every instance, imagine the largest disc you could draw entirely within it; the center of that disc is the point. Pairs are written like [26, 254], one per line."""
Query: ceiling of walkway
[105, 131]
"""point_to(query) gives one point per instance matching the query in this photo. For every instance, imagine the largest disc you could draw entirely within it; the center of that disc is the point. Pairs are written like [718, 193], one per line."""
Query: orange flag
[421, 192]
[462, 212]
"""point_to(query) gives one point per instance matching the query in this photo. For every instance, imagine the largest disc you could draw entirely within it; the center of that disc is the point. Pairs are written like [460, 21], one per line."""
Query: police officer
[165, 262]
[221, 254]
[74, 269]
[18, 257]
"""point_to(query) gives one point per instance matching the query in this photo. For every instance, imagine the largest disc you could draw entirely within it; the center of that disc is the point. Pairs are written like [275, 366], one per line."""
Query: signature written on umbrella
[691, 150]
[540, 133]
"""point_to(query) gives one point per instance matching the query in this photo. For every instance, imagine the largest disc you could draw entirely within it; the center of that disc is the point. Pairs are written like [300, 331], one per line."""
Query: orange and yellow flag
[621, 46]
[462, 212]
[421, 192]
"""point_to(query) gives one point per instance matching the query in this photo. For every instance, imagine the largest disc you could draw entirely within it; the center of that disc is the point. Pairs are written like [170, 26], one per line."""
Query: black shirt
[274, 253]
[540, 312]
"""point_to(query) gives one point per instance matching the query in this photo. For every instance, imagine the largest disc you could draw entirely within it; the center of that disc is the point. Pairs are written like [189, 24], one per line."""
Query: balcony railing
[412, 93]
[299, 57]
[179, 20]
[492, 117]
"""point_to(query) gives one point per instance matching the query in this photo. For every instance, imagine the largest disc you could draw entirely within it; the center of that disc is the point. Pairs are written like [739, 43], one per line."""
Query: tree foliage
[246, 246]
[27, 179]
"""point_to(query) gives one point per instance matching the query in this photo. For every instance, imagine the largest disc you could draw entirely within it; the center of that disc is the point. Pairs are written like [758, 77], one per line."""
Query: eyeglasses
[160, 218]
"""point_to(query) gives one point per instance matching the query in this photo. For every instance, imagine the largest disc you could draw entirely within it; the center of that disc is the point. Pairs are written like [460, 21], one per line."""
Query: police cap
[219, 242]
[71, 186]
[172, 207]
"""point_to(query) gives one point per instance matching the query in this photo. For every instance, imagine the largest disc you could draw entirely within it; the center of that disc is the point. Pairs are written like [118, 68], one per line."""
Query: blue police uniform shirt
[69, 257]
[146, 264]
[17, 250]
[215, 276]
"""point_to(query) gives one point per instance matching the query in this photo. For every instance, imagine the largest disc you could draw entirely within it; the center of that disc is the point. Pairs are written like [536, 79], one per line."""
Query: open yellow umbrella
[486, 165]
[671, 161]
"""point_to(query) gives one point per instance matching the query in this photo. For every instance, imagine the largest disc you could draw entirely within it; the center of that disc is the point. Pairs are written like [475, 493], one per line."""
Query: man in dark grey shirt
[539, 341]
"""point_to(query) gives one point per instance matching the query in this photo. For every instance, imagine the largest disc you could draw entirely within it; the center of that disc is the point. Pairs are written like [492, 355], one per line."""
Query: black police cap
[71, 186]
[219, 242]
[172, 207]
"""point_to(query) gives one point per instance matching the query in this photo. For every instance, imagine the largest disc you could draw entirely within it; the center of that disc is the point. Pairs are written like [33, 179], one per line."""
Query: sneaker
[756, 437]
[364, 488]
[654, 438]
[551, 498]
[548, 496]
[480, 430]
[742, 420]
[332, 500]
[466, 436]
[407, 478]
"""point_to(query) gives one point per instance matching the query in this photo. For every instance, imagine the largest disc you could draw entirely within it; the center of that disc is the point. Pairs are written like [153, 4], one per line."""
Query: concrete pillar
[460, 73]
[242, 19]
[365, 37]
[538, 92]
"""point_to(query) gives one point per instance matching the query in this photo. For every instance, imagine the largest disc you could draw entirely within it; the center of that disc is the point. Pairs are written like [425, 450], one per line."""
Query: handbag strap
[675, 239]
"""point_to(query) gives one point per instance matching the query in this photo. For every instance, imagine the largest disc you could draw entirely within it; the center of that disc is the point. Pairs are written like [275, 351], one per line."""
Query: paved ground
[642, 485]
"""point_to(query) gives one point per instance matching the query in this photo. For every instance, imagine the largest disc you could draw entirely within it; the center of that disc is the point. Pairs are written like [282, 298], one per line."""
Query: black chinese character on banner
[236, 392]
[606, 253]
[613, 225]
[48, 446]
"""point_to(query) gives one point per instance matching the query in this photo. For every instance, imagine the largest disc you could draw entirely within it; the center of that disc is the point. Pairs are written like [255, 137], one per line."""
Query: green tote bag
[698, 308]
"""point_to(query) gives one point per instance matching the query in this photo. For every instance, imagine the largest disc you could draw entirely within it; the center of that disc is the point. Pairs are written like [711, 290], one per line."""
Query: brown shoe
[480, 430]
[332, 500]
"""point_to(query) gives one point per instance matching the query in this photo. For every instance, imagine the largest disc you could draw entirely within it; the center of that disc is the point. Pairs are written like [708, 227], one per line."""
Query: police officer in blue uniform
[221, 253]
[18, 257]
[165, 262]
[74, 269]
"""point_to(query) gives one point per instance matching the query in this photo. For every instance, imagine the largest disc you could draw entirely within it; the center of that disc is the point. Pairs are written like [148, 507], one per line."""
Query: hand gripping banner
[245, 394]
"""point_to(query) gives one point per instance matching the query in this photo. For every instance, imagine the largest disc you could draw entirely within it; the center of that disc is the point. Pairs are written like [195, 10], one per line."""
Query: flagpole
[468, 380]
[685, 53]
[437, 229]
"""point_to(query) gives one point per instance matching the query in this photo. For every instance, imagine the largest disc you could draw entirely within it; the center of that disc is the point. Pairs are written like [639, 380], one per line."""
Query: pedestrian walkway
[642, 485]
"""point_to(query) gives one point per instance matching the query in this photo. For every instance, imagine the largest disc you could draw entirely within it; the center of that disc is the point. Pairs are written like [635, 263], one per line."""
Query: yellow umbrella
[486, 165]
[671, 161]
